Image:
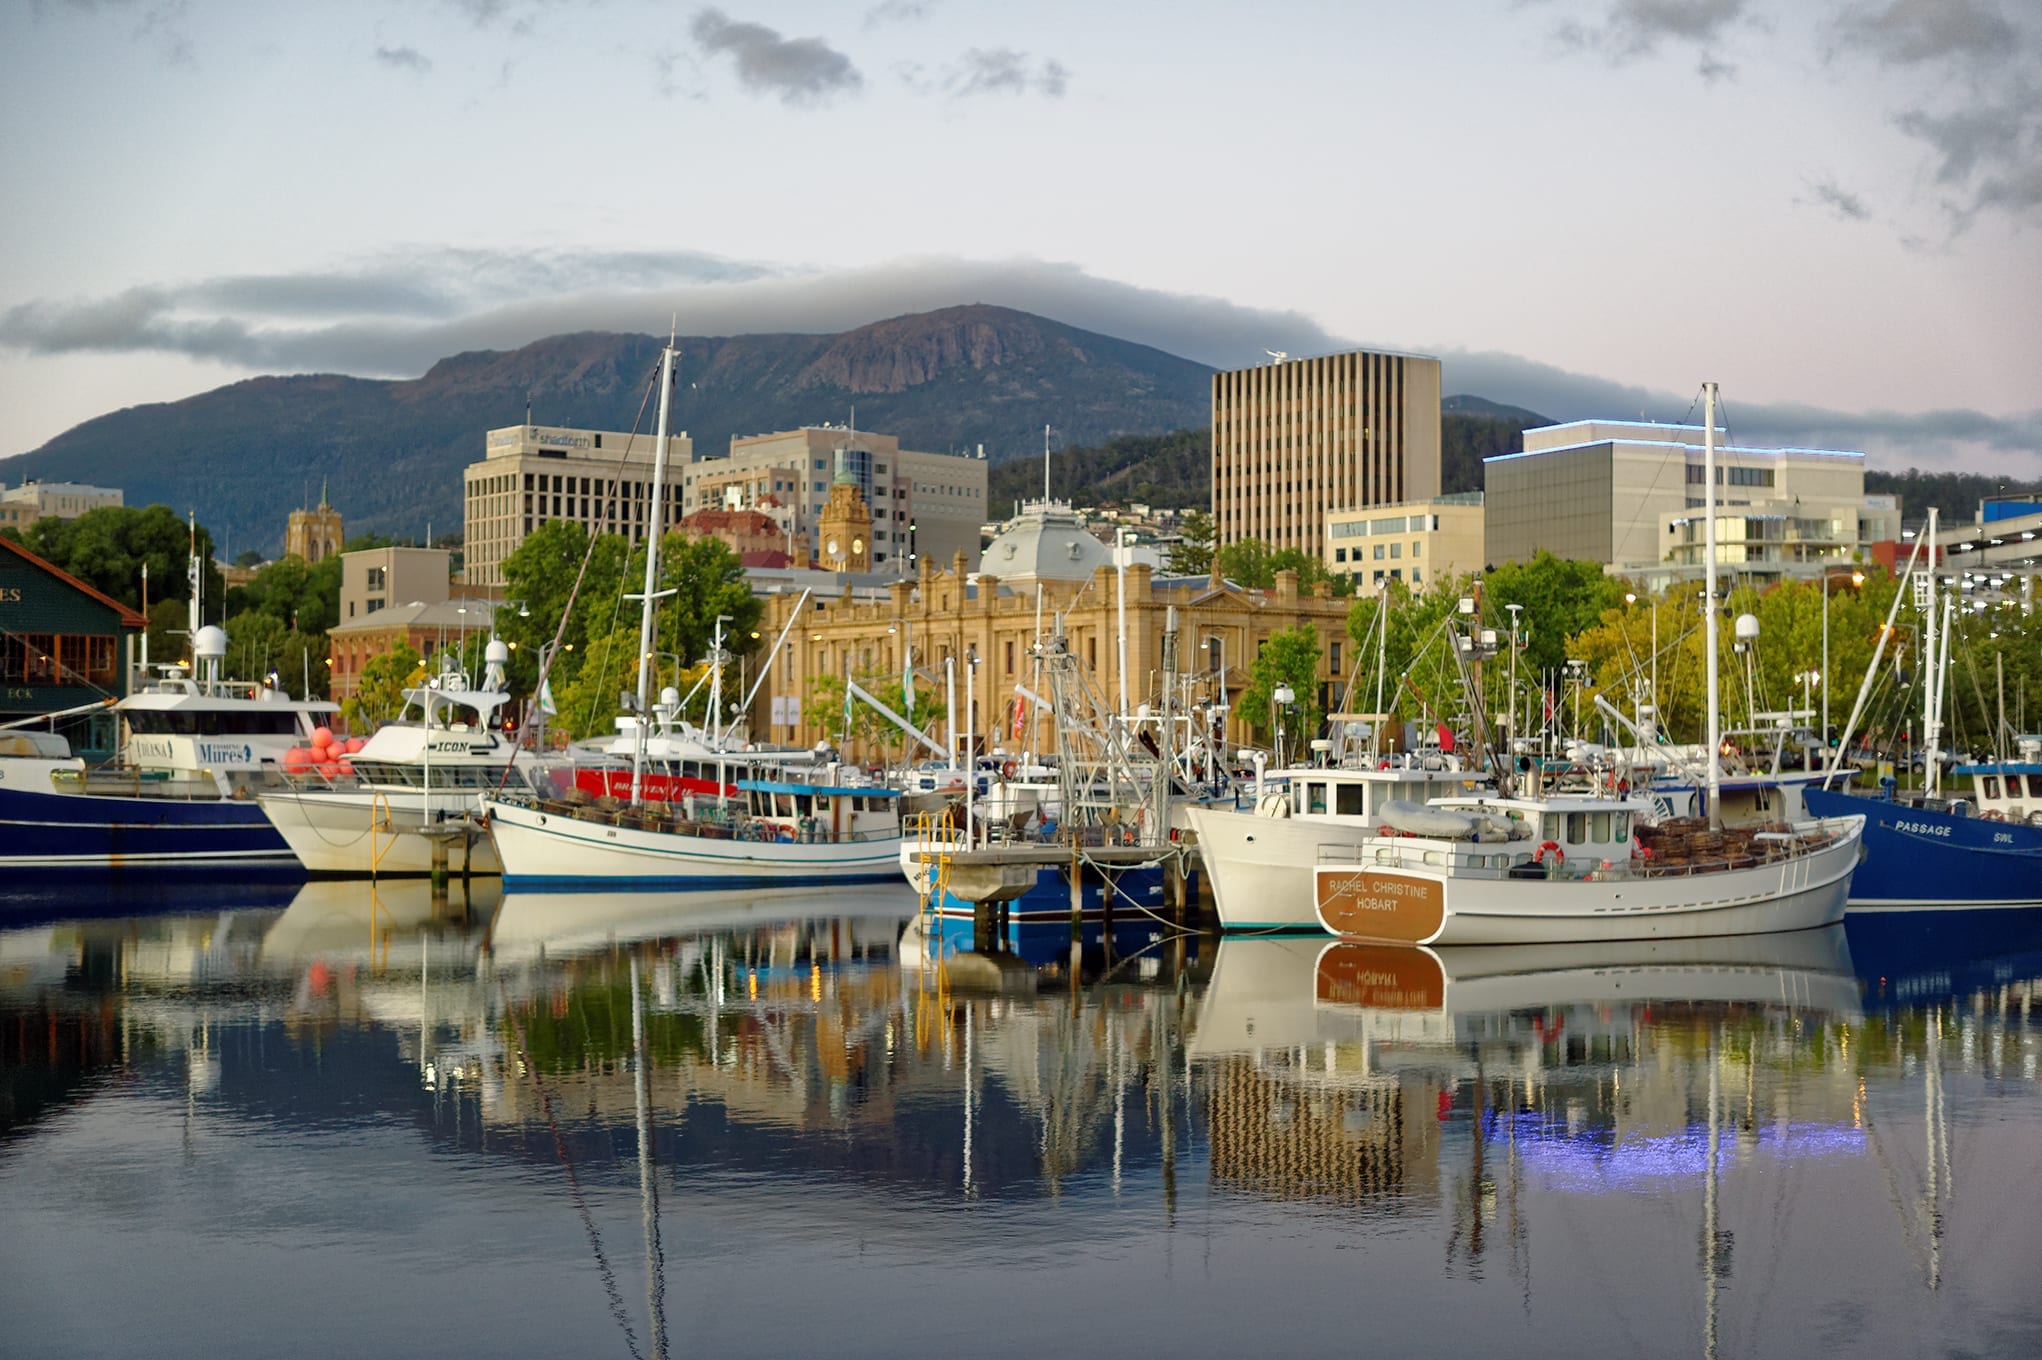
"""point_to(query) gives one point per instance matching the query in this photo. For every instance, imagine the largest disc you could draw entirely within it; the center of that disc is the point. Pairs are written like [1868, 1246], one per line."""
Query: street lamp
[1280, 699]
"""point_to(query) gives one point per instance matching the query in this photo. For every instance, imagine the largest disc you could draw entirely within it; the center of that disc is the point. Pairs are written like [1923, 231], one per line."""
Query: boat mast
[1714, 734]
[655, 522]
[1931, 669]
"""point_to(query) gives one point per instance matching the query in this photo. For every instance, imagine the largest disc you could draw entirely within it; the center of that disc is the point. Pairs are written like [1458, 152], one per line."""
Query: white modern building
[924, 505]
[1627, 494]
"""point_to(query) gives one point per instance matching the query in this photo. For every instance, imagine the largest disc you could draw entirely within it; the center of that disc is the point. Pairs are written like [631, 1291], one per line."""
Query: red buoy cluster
[327, 755]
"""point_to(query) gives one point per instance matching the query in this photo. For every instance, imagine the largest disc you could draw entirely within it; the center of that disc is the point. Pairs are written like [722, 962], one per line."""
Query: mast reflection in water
[347, 1121]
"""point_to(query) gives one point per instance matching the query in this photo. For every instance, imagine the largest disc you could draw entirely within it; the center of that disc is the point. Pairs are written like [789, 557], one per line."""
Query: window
[1988, 787]
[1417, 548]
[1379, 552]
[378, 578]
[1333, 657]
[1397, 550]
[1340, 554]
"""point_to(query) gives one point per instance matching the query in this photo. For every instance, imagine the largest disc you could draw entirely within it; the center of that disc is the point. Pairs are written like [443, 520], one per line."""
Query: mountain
[390, 453]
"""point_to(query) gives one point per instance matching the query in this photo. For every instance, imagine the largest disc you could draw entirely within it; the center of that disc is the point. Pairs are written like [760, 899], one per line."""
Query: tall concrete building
[1623, 493]
[1298, 437]
[925, 506]
[600, 479]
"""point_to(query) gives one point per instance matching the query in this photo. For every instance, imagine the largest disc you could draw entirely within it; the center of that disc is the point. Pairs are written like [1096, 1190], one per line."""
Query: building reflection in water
[668, 1042]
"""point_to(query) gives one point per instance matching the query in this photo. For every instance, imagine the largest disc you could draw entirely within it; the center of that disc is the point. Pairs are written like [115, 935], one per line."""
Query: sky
[1832, 208]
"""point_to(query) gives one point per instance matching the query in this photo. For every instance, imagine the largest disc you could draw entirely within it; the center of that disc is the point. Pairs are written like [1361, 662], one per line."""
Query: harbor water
[337, 1119]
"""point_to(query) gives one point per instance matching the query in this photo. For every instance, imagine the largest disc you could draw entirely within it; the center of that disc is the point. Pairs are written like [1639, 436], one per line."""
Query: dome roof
[1047, 542]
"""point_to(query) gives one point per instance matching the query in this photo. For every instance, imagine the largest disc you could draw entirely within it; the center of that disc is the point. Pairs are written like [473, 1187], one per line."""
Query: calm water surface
[319, 1120]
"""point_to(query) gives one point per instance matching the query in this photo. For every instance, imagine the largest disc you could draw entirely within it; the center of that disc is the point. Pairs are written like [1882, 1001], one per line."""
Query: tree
[1289, 657]
[1246, 562]
[107, 548]
[380, 695]
[1412, 668]
[1191, 554]
[1561, 597]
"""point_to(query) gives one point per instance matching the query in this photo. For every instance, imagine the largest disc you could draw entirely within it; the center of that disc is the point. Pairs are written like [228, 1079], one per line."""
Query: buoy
[1545, 848]
[297, 758]
[355, 744]
[1007, 770]
[322, 737]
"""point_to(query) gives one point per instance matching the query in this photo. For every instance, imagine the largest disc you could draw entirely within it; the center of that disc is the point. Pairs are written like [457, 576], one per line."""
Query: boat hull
[541, 850]
[52, 830]
[1406, 901]
[346, 832]
[1917, 860]
[1260, 868]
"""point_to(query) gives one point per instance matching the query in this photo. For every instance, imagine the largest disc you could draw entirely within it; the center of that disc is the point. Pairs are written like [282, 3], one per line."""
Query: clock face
[857, 546]
[833, 547]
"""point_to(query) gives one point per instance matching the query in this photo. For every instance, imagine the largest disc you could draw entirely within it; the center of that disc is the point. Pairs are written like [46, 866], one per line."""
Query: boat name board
[459, 747]
[1379, 977]
[199, 753]
[1379, 905]
[1920, 828]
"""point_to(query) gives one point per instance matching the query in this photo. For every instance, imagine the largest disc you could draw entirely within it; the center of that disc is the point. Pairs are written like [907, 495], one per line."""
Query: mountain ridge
[391, 451]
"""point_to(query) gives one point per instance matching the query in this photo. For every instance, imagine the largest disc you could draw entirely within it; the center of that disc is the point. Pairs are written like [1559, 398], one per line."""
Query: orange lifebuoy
[1546, 847]
[1007, 770]
[1995, 815]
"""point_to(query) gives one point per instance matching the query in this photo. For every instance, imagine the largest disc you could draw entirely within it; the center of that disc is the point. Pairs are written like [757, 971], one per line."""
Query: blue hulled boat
[194, 752]
[1928, 852]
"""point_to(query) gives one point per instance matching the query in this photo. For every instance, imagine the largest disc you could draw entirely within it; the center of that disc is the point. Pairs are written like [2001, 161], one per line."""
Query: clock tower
[845, 524]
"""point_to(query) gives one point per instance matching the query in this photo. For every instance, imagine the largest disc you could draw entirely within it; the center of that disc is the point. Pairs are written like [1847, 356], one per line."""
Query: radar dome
[497, 653]
[1747, 627]
[211, 642]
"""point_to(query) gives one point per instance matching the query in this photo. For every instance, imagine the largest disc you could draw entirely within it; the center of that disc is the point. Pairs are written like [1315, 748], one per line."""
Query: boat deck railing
[1516, 861]
[710, 820]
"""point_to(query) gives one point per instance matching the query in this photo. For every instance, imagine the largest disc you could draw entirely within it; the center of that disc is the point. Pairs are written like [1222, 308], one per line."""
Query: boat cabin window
[201, 722]
[1550, 826]
[1599, 826]
[2034, 785]
[1315, 798]
[1620, 826]
[1349, 799]
[1988, 786]
[1577, 828]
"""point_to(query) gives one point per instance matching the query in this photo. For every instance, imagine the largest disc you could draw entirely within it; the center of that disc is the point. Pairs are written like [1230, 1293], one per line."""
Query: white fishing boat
[1259, 858]
[823, 828]
[1522, 870]
[412, 801]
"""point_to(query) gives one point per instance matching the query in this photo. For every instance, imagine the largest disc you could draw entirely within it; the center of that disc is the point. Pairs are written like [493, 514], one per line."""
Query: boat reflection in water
[571, 1105]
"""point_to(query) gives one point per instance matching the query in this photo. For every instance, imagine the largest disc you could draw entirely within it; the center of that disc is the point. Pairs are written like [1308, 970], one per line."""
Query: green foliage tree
[1561, 597]
[1289, 657]
[1246, 562]
[1411, 669]
[106, 548]
[590, 681]
[380, 695]
[1191, 555]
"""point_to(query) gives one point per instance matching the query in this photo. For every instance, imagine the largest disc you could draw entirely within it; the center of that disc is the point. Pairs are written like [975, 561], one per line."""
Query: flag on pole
[907, 679]
[546, 697]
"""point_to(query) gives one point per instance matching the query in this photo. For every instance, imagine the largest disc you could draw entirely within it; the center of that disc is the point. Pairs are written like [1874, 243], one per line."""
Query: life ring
[1546, 847]
[1007, 770]
[1995, 815]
